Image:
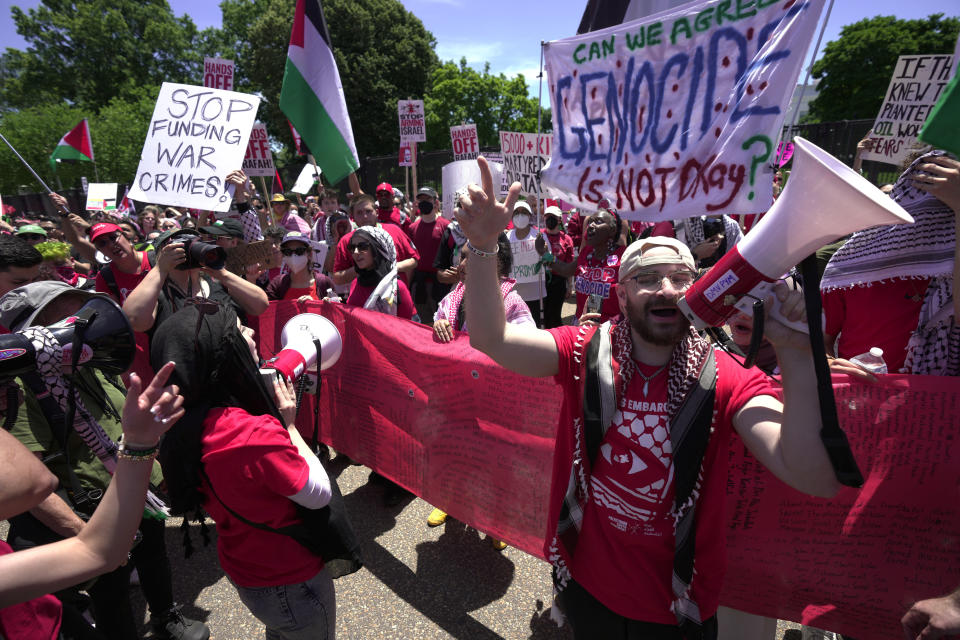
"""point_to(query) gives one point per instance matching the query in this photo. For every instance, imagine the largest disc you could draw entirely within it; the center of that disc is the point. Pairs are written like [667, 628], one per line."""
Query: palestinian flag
[75, 145]
[312, 95]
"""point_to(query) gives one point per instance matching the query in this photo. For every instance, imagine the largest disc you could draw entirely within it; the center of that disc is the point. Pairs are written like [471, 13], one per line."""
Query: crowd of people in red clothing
[194, 375]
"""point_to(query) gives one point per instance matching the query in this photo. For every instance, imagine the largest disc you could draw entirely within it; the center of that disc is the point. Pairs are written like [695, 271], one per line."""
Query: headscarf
[383, 276]
[214, 369]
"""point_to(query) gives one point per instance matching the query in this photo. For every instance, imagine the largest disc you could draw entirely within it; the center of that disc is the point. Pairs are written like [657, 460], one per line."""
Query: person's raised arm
[251, 298]
[785, 437]
[74, 227]
[354, 183]
[24, 481]
[140, 307]
[520, 348]
[104, 542]
[864, 145]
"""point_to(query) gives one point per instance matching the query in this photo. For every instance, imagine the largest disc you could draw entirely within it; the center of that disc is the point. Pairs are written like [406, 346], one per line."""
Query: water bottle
[871, 361]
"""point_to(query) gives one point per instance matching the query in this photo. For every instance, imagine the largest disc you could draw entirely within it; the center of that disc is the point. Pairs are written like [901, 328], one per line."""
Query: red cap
[385, 186]
[101, 228]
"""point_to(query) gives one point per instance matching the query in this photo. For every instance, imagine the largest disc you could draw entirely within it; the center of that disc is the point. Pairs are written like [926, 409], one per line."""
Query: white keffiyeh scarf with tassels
[49, 358]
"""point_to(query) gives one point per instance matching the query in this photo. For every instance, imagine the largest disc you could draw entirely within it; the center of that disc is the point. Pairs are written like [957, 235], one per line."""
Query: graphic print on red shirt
[598, 277]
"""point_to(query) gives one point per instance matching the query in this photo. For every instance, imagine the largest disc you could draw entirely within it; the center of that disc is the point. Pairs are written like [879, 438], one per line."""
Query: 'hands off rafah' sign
[196, 137]
[676, 114]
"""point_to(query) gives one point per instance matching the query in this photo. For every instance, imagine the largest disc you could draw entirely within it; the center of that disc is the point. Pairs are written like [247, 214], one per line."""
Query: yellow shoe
[437, 517]
[499, 545]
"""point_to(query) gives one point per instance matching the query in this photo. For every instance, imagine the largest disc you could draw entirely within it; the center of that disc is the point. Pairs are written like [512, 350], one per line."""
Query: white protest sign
[413, 126]
[524, 154]
[525, 256]
[218, 73]
[498, 158]
[307, 178]
[466, 144]
[196, 137]
[258, 160]
[676, 115]
[407, 154]
[916, 85]
[102, 196]
[457, 175]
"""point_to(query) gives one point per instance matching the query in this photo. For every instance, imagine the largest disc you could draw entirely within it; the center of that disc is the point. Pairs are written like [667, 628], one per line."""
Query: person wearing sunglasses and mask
[301, 282]
[522, 240]
[377, 286]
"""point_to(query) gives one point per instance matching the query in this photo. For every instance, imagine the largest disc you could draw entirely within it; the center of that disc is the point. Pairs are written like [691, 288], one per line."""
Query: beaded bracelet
[124, 452]
[481, 252]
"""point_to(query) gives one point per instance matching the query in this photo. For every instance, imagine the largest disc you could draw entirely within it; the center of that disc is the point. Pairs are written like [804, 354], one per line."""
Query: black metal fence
[838, 138]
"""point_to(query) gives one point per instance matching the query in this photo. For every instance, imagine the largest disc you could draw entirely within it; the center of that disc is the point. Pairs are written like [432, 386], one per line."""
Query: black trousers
[591, 619]
[534, 306]
[110, 592]
[553, 302]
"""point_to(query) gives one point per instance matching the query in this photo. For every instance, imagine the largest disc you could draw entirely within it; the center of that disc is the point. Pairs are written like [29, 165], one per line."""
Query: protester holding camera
[302, 281]
[186, 268]
[238, 454]
[88, 456]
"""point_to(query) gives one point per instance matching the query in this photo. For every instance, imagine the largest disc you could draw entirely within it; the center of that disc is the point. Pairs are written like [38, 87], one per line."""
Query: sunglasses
[360, 246]
[30, 237]
[106, 239]
[293, 252]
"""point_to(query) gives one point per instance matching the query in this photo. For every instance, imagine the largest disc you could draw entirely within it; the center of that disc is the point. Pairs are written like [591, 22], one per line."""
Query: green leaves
[855, 69]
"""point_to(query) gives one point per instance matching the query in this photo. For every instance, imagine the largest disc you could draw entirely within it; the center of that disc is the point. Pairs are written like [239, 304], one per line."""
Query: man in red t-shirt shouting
[640, 461]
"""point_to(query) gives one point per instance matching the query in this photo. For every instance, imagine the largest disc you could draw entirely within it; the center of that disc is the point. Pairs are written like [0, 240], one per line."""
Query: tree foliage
[855, 69]
[90, 52]
[460, 94]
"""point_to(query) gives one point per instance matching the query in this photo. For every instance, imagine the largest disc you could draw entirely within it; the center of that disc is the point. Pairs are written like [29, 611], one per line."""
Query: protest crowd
[144, 394]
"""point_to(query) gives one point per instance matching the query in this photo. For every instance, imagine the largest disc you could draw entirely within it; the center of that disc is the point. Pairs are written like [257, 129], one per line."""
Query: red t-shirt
[255, 467]
[624, 555]
[343, 260]
[598, 277]
[881, 315]
[426, 238]
[37, 619]
[359, 294]
[561, 246]
[393, 216]
[127, 282]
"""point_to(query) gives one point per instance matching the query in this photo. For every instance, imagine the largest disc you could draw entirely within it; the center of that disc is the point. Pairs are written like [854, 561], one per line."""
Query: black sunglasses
[293, 252]
[360, 246]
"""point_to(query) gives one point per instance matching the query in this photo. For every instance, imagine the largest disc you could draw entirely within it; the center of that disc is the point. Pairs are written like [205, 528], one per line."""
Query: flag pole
[96, 173]
[265, 199]
[27, 165]
[413, 154]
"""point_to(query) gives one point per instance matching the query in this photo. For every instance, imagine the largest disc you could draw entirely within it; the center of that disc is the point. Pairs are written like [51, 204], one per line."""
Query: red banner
[476, 440]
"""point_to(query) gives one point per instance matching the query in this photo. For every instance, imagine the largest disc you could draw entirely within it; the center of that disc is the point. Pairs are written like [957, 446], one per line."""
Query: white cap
[521, 205]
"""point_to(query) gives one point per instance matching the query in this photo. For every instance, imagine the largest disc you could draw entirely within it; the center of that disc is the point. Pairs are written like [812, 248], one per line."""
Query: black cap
[428, 191]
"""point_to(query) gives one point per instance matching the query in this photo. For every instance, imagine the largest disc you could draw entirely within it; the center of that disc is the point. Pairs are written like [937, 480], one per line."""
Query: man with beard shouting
[640, 463]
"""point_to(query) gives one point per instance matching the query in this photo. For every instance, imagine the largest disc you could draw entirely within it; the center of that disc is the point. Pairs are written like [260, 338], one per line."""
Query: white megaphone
[299, 352]
[823, 201]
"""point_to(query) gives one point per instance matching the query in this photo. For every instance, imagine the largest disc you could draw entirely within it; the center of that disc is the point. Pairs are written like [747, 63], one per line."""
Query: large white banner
[258, 160]
[676, 114]
[196, 137]
[916, 85]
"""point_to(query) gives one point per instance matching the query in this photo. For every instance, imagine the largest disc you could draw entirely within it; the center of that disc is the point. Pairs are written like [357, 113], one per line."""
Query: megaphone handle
[762, 291]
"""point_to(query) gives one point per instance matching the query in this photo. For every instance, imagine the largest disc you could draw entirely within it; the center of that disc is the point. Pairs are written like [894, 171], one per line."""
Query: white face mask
[521, 221]
[296, 264]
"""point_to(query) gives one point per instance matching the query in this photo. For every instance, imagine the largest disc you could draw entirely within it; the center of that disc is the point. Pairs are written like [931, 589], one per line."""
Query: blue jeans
[302, 611]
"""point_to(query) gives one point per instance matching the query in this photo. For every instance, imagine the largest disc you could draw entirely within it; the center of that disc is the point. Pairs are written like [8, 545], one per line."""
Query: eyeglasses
[651, 281]
[293, 252]
[360, 246]
[30, 237]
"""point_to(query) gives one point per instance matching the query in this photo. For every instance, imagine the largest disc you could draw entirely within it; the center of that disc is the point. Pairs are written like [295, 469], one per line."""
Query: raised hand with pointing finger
[481, 216]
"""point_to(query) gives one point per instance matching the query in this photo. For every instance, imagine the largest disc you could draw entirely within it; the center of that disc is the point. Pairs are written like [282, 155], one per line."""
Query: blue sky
[507, 33]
